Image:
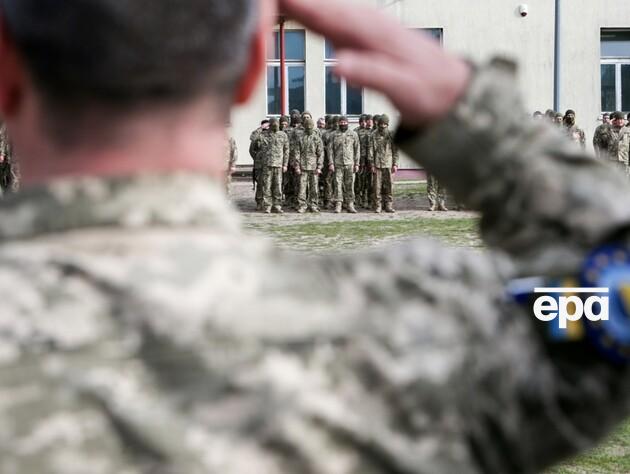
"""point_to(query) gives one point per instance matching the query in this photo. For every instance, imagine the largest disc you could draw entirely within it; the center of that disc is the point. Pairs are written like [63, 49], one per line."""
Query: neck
[190, 139]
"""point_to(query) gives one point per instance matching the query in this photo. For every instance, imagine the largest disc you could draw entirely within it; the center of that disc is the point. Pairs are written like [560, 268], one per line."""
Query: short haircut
[127, 54]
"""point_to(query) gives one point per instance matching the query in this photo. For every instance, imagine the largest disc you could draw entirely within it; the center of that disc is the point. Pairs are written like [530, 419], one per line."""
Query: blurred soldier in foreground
[274, 146]
[382, 162]
[344, 153]
[309, 166]
[575, 134]
[142, 331]
[602, 136]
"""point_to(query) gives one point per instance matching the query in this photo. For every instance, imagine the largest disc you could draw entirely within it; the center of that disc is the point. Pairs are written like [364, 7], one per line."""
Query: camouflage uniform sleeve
[285, 152]
[370, 150]
[545, 204]
[320, 154]
[357, 150]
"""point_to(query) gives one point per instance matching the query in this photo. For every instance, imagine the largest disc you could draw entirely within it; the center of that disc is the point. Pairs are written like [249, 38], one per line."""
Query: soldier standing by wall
[359, 182]
[575, 134]
[344, 150]
[9, 181]
[231, 157]
[383, 164]
[309, 167]
[255, 149]
[275, 150]
[328, 162]
[436, 194]
[617, 138]
[602, 136]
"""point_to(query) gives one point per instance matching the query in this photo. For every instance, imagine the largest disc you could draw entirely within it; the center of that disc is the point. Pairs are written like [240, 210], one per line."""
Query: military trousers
[344, 184]
[309, 189]
[435, 192]
[272, 177]
[383, 187]
[260, 184]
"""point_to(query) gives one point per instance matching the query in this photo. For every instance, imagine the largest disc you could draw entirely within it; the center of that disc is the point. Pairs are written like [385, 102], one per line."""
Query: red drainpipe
[283, 76]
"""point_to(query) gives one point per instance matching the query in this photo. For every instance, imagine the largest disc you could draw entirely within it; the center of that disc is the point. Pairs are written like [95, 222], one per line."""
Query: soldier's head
[569, 117]
[362, 121]
[284, 122]
[321, 124]
[558, 118]
[264, 124]
[383, 123]
[309, 126]
[335, 122]
[306, 116]
[538, 115]
[343, 123]
[376, 119]
[274, 125]
[369, 123]
[296, 117]
[79, 72]
[618, 120]
[550, 115]
[606, 119]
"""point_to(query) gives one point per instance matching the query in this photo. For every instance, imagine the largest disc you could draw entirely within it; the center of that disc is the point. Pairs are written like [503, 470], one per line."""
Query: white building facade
[585, 68]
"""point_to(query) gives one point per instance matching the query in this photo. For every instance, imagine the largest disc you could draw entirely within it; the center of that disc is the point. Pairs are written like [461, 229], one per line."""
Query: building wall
[481, 29]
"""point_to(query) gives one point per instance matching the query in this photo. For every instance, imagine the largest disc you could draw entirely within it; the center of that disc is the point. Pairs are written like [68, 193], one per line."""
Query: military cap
[363, 118]
[343, 118]
[570, 111]
[368, 117]
[617, 116]
[384, 119]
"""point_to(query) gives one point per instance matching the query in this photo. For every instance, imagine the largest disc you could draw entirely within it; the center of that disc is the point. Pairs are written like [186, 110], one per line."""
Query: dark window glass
[615, 44]
[295, 78]
[625, 87]
[273, 90]
[354, 101]
[435, 33]
[333, 92]
[330, 50]
[608, 87]
[294, 41]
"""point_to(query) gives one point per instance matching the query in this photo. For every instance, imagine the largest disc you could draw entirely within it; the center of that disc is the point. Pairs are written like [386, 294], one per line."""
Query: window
[341, 98]
[295, 71]
[615, 70]
[435, 33]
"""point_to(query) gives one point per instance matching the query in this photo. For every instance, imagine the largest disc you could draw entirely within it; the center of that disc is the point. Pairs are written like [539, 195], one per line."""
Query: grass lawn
[613, 456]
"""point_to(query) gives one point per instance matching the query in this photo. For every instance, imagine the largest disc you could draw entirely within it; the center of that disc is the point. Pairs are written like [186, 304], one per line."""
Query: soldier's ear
[257, 51]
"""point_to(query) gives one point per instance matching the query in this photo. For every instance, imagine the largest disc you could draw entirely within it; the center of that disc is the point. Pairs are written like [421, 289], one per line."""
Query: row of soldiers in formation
[307, 166]
[8, 169]
[611, 140]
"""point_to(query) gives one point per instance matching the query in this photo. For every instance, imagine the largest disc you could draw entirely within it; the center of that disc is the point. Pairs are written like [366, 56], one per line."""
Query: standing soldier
[574, 133]
[275, 152]
[321, 126]
[436, 194]
[309, 167]
[285, 123]
[558, 119]
[619, 142]
[359, 181]
[8, 173]
[383, 164]
[602, 136]
[231, 157]
[344, 150]
[328, 163]
[365, 176]
[255, 149]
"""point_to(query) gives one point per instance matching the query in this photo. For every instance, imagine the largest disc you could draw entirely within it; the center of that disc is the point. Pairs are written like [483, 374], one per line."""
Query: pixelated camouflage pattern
[576, 135]
[344, 148]
[142, 331]
[382, 150]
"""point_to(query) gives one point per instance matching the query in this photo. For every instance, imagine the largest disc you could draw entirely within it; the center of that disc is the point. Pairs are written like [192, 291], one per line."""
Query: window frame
[331, 63]
[618, 62]
[288, 63]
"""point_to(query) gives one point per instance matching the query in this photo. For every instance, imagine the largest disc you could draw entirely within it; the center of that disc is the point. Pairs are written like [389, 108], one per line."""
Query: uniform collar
[175, 200]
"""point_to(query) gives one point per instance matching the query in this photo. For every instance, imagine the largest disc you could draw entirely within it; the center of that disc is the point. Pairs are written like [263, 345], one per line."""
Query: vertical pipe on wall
[557, 57]
[283, 76]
